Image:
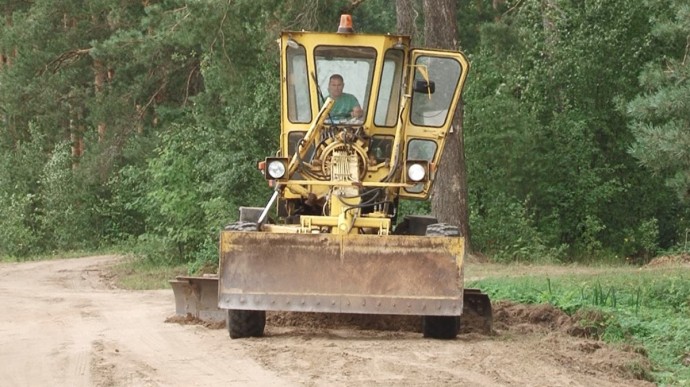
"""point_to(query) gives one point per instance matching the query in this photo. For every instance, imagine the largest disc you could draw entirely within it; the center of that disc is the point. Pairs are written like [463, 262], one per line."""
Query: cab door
[435, 84]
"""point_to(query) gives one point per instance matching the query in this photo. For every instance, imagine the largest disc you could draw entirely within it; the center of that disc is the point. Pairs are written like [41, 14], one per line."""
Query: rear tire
[442, 229]
[441, 327]
[242, 226]
[246, 323]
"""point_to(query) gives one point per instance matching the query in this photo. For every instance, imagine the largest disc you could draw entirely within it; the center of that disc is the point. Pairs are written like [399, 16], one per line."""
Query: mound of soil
[189, 319]
[665, 260]
[570, 340]
[627, 361]
[509, 316]
[345, 320]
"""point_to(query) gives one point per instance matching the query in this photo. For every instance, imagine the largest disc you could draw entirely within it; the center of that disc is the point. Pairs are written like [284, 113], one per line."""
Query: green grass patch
[649, 307]
[140, 274]
[56, 255]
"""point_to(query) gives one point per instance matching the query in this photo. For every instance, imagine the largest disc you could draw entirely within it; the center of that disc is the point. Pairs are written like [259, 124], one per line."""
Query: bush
[641, 243]
[17, 239]
[505, 231]
[65, 215]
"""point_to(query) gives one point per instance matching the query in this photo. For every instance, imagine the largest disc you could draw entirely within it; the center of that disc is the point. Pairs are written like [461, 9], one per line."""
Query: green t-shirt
[342, 108]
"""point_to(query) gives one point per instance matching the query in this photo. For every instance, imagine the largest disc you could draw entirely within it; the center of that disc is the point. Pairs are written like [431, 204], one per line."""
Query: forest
[137, 124]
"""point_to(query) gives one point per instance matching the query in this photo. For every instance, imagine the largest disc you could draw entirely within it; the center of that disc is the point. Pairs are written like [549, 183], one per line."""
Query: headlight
[276, 169]
[416, 172]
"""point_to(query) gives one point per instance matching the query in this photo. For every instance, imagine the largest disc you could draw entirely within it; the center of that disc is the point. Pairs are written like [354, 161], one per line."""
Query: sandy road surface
[60, 324]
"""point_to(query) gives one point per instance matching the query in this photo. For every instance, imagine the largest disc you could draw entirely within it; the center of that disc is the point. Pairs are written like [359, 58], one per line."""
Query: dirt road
[62, 324]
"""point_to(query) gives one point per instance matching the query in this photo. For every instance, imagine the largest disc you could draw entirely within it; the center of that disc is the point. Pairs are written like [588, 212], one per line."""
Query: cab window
[419, 149]
[298, 101]
[380, 149]
[349, 72]
[389, 89]
[432, 109]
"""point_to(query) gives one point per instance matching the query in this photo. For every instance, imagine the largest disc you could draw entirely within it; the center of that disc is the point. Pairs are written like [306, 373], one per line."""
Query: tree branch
[64, 59]
[153, 98]
[348, 9]
[189, 81]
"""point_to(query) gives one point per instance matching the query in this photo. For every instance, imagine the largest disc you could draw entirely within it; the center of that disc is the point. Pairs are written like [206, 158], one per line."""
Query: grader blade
[370, 274]
[197, 297]
[477, 313]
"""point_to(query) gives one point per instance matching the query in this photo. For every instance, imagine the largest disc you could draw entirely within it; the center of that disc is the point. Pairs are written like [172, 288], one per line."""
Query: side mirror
[422, 86]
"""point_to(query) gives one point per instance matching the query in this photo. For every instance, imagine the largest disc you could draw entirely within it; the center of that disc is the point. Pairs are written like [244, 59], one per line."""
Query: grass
[56, 255]
[649, 307]
[139, 274]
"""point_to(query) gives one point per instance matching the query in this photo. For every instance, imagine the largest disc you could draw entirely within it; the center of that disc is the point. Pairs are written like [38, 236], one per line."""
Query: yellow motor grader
[364, 119]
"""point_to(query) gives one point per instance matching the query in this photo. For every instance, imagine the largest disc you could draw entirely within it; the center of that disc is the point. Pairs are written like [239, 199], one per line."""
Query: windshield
[345, 74]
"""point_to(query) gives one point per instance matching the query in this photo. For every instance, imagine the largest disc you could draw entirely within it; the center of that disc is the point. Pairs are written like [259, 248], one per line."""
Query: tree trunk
[406, 17]
[100, 75]
[449, 200]
[77, 139]
[6, 59]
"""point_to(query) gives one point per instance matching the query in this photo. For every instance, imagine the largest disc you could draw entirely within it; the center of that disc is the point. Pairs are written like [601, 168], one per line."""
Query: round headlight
[416, 172]
[276, 169]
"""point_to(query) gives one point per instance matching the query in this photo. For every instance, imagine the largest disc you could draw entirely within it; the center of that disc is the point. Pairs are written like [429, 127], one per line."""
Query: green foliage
[660, 112]
[641, 244]
[64, 210]
[543, 129]
[43, 208]
[17, 238]
[176, 102]
[172, 192]
[130, 184]
[505, 230]
[18, 198]
[413, 207]
[122, 211]
[648, 307]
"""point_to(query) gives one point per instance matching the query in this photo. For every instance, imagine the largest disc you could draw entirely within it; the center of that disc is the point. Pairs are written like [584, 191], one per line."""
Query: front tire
[246, 323]
[441, 327]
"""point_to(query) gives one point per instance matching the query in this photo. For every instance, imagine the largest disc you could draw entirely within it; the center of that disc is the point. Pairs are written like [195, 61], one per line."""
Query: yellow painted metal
[435, 134]
[382, 225]
[404, 131]
[350, 273]
[312, 133]
[292, 183]
[398, 144]
[310, 41]
[280, 228]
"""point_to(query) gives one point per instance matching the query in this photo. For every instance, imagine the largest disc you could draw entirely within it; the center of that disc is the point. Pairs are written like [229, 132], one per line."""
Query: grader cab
[364, 119]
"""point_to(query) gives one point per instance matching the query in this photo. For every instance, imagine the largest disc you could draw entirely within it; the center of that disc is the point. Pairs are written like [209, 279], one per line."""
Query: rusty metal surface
[198, 297]
[341, 273]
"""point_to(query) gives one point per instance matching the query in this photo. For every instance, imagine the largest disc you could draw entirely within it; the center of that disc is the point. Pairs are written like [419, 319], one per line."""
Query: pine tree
[661, 114]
